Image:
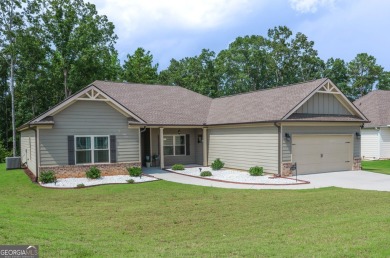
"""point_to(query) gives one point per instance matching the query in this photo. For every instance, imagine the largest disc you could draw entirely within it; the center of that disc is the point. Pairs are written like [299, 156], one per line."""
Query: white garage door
[322, 153]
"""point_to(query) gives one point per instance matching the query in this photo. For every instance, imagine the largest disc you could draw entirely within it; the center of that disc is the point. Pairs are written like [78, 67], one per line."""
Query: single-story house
[116, 125]
[376, 134]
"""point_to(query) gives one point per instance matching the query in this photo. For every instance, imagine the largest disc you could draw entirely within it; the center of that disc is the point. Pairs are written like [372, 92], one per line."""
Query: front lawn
[377, 166]
[175, 220]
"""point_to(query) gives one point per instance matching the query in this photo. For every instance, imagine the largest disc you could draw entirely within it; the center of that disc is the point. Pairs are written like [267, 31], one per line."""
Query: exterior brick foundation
[79, 170]
[286, 168]
[357, 163]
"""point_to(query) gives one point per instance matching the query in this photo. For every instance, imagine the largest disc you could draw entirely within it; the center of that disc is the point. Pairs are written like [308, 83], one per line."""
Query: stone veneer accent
[286, 168]
[357, 163]
[79, 170]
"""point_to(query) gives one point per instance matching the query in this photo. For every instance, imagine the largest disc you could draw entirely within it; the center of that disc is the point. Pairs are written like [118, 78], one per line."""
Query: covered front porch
[164, 146]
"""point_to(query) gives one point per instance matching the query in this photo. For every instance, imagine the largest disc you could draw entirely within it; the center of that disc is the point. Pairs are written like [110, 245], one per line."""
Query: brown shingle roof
[174, 105]
[259, 106]
[376, 107]
[157, 104]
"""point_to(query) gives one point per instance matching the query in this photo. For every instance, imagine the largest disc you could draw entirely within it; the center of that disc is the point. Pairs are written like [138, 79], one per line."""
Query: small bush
[47, 177]
[130, 181]
[4, 153]
[80, 186]
[178, 167]
[93, 173]
[256, 171]
[135, 171]
[206, 173]
[217, 164]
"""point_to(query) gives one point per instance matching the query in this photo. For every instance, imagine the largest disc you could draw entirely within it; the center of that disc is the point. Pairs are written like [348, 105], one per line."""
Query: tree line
[56, 47]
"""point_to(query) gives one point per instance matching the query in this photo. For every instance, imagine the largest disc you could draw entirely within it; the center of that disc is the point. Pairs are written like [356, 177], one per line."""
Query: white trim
[162, 147]
[92, 137]
[205, 149]
[38, 156]
[174, 145]
[76, 97]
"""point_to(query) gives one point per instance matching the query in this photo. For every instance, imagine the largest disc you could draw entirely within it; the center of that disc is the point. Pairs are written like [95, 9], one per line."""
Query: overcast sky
[181, 28]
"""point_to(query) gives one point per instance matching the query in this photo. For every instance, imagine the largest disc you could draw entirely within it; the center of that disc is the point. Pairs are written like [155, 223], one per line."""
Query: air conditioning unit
[12, 162]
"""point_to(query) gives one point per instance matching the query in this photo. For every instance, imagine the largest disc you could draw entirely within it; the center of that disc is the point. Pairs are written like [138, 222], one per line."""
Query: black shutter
[71, 150]
[187, 144]
[113, 148]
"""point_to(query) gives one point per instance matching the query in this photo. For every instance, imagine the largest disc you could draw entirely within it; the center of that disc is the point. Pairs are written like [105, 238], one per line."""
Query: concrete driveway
[361, 180]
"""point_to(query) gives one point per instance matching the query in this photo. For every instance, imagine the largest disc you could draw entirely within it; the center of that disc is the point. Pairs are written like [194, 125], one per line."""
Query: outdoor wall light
[358, 135]
[178, 132]
[287, 136]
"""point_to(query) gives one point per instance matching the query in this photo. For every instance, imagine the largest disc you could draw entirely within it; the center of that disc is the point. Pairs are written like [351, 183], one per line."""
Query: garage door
[322, 153]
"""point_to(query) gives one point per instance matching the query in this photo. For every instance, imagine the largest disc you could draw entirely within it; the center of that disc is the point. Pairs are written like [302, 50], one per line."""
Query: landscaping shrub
[47, 177]
[206, 173]
[135, 171]
[80, 186]
[130, 181]
[178, 167]
[93, 173]
[217, 164]
[256, 171]
[4, 153]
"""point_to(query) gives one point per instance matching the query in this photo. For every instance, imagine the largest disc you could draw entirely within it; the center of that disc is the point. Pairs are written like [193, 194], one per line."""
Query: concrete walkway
[362, 180]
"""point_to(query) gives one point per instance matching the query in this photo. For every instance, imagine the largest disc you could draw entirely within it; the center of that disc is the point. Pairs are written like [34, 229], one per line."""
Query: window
[174, 145]
[92, 149]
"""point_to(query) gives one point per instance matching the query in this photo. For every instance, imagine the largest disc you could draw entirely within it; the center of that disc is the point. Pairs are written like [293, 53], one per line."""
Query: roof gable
[89, 93]
[311, 104]
[376, 106]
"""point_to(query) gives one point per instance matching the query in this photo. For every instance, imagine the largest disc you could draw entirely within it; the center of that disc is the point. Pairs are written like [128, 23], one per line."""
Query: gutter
[279, 147]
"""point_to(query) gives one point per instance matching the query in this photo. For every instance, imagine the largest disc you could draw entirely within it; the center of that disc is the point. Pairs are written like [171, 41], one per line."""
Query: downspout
[36, 152]
[143, 130]
[279, 147]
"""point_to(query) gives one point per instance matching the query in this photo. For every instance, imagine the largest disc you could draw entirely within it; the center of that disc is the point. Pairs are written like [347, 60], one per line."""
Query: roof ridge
[273, 88]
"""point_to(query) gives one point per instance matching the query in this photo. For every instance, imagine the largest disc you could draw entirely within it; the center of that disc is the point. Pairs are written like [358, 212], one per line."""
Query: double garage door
[322, 153]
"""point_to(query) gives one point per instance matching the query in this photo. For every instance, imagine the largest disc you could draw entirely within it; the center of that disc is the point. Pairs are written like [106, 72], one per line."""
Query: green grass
[163, 219]
[377, 166]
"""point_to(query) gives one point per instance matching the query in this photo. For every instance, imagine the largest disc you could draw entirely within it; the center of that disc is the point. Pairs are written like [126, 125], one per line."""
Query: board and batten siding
[322, 103]
[291, 130]
[88, 118]
[245, 147]
[385, 143]
[370, 143]
[28, 149]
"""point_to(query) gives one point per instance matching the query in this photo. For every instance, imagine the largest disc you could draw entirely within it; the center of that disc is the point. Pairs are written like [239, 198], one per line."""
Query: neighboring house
[117, 125]
[376, 134]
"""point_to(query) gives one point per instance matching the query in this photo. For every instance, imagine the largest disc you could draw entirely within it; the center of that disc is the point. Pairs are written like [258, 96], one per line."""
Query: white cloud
[136, 16]
[306, 6]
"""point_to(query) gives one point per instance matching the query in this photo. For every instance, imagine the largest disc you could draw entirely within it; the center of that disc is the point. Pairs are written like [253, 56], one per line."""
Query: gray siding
[28, 149]
[286, 153]
[88, 118]
[245, 147]
[170, 160]
[322, 103]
